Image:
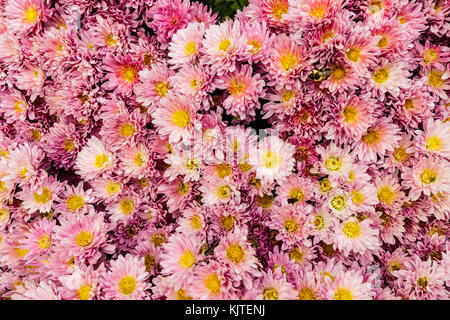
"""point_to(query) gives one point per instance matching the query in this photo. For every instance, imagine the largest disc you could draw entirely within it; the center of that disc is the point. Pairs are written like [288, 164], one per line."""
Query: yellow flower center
[18, 107]
[288, 61]
[325, 185]
[101, 160]
[112, 187]
[381, 75]
[190, 49]
[386, 195]
[129, 74]
[212, 282]
[351, 114]
[223, 170]
[319, 222]
[423, 282]
[84, 292]
[270, 294]
[327, 35]
[149, 261]
[333, 163]
[68, 145]
[75, 202]
[372, 137]
[256, 45]
[127, 206]
[357, 197]
[434, 143]
[435, 78]
[428, 176]
[181, 118]
[279, 8]
[296, 194]
[84, 238]
[296, 254]
[290, 225]
[126, 130]
[44, 242]
[236, 87]
[21, 252]
[158, 239]
[430, 56]
[44, 197]
[192, 164]
[109, 39]
[343, 294]
[196, 222]
[394, 266]
[183, 188]
[227, 222]
[139, 159]
[400, 154]
[338, 202]
[235, 253]
[224, 44]
[351, 230]
[375, 6]
[338, 73]
[353, 54]
[31, 15]
[383, 42]
[181, 295]
[287, 95]
[265, 201]
[271, 160]
[408, 104]
[127, 285]
[307, 294]
[161, 88]
[223, 192]
[35, 134]
[187, 259]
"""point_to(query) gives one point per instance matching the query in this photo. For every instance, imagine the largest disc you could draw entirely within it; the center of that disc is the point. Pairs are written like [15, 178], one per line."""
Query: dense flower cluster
[298, 151]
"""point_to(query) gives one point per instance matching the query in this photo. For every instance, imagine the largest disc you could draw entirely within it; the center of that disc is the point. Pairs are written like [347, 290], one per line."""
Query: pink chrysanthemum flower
[428, 176]
[154, 85]
[335, 161]
[41, 197]
[136, 160]
[23, 165]
[309, 13]
[348, 285]
[126, 279]
[389, 77]
[185, 164]
[342, 77]
[175, 118]
[210, 282]
[167, 17]
[180, 254]
[295, 189]
[244, 91]
[194, 81]
[294, 224]
[307, 285]
[84, 236]
[422, 279]
[74, 199]
[432, 55]
[286, 61]
[236, 252]
[274, 286]
[31, 79]
[94, 159]
[360, 50]
[215, 191]
[82, 284]
[363, 196]
[438, 81]
[392, 226]
[383, 136]
[192, 221]
[122, 129]
[108, 35]
[38, 240]
[283, 101]
[356, 236]
[123, 74]
[258, 39]
[14, 107]
[24, 16]
[272, 12]
[107, 188]
[62, 144]
[389, 191]
[186, 44]
[124, 208]
[435, 139]
[273, 159]
[223, 45]
[151, 255]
